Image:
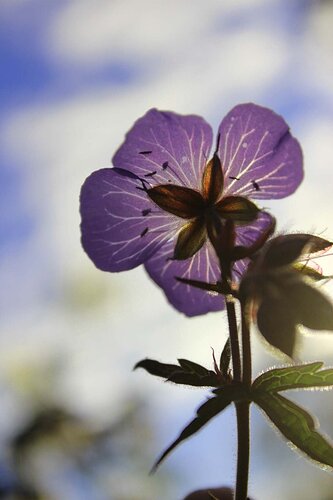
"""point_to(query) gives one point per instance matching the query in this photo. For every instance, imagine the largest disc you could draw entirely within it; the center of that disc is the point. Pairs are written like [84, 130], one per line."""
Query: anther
[255, 185]
[151, 174]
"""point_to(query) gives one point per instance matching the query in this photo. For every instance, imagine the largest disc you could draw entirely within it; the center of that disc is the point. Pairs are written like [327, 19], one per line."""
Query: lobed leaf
[293, 377]
[154, 367]
[186, 373]
[296, 425]
[192, 367]
[205, 412]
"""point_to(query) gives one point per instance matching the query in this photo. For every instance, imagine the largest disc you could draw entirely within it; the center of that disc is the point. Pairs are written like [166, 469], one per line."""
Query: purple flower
[160, 203]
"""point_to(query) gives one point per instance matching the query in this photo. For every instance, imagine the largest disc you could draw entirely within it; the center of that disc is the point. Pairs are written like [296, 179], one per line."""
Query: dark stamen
[145, 231]
[234, 178]
[145, 152]
[151, 174]
[256, 185]
[165, 165]
[144, 187]
[146, 211]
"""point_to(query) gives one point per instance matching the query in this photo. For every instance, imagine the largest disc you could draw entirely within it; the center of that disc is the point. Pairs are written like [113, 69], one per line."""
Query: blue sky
[76, 74]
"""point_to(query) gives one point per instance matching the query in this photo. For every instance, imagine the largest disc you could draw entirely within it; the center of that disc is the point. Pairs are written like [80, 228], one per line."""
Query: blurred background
[75, 422]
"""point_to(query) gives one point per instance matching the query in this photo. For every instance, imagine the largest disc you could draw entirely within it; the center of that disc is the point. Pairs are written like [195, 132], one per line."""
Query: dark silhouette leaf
[225, 359]
[153, 367]
[186, 373]
[184, 378]
[192, 367]
[205, 412]
[202, 285]
[296, 425]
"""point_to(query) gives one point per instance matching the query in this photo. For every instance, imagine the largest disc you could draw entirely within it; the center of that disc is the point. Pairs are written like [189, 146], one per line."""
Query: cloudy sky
[75, 75]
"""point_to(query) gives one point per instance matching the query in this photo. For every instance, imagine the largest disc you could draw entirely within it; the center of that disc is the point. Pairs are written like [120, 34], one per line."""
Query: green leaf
[294, 377]
[297, 426]
[205, 413]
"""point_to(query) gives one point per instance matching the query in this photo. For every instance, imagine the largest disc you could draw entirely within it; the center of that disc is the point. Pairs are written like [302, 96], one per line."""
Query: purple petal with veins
[203, 266]
[121, 227]
[164, 147]
[259, 156]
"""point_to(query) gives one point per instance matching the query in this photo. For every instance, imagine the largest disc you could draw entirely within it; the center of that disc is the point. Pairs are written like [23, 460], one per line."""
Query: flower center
[202, 210]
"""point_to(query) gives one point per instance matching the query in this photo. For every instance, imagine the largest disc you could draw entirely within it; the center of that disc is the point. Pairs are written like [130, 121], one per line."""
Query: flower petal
[121, 226]
[259, 156]
[203, 266]
[166, 147]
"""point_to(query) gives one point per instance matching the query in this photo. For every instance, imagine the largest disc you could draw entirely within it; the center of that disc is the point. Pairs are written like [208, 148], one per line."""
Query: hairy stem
[243, 417]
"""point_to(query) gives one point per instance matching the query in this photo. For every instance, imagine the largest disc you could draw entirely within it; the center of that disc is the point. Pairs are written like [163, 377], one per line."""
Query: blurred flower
[162, 202]
[278, 290]
[211, 494]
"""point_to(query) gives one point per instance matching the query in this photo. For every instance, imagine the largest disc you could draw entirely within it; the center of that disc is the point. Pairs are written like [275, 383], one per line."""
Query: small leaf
[153, 367]
[225, 359]
[297, 426]
[185, 378]
[204, 413]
